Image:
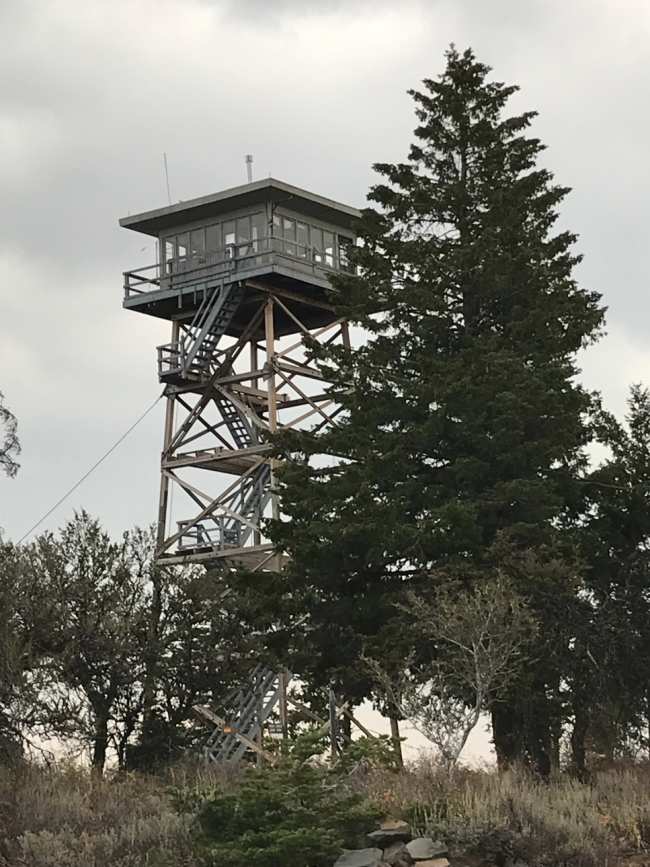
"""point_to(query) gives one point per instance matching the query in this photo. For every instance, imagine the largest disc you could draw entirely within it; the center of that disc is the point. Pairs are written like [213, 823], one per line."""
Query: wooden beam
[293, 296]
[358, 724]
[212, 717]
[314, 336]
[304, 396]
[300, 370]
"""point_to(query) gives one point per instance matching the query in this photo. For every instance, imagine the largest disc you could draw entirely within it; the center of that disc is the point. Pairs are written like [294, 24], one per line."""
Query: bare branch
[10, 447]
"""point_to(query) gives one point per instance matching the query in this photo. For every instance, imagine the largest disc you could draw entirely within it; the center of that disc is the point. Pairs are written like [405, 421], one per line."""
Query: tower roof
[265, 191]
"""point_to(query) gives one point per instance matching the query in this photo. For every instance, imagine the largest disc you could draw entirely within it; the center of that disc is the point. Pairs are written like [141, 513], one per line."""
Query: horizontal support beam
[224, 464]
[299, 370]
[250, 557]
[287, 293]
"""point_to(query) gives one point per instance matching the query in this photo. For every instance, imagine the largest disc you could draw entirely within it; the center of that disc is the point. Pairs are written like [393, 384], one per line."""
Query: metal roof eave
[259, 192]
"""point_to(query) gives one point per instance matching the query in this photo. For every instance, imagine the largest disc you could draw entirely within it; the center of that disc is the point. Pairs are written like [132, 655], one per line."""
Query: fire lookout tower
[242, 276]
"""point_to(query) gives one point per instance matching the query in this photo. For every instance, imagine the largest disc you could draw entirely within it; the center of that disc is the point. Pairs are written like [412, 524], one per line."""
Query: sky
[94, 92]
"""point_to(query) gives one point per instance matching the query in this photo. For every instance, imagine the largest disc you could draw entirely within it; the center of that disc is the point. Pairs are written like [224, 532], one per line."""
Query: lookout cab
[242, 275]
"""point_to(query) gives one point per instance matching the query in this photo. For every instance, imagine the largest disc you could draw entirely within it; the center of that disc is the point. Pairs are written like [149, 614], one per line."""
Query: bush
[65, 817]
[293, 814]
[302, 812]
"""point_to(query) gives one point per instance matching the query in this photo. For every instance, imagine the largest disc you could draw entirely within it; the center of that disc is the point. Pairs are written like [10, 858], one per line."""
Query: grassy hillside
[62, 817]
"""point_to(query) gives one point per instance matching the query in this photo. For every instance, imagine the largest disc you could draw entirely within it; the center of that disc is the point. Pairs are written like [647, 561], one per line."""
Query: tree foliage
[607, 672]
[10, 446]
[106, 650]
[294, 813]
[465, 429]
[469, 646]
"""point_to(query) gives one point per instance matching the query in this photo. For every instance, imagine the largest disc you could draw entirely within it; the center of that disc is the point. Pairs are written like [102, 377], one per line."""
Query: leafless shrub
[9, 445]
[478, 639]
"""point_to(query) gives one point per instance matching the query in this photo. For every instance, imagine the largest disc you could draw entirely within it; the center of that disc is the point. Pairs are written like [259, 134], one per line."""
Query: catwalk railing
[201, 271]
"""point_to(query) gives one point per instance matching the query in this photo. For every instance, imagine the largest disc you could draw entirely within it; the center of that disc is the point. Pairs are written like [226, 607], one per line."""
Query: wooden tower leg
[217, 453]
[163, 502]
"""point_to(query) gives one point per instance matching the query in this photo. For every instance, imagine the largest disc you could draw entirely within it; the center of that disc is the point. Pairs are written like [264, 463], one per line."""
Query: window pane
[276, 234]
[243, 230]
[328, 245]
[181, 241]
[170, 253]
[288, 229]
[258, 228]
[243, 236]
[197, 242]
[302, 237]
[229, 232]
[213, 237]
[317, 243]
[344, 262]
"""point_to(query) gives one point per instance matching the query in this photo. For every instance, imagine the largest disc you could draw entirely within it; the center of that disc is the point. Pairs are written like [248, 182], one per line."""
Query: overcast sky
[93, 92]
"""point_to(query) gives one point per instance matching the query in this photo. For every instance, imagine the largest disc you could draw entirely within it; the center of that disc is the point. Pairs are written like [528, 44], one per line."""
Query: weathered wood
[293, 296]
[303, 395]
[359, 725]
[216, 720]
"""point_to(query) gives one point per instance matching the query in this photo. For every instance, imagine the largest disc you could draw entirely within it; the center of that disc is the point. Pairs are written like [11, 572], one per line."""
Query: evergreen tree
[610, 655]
[464, 432]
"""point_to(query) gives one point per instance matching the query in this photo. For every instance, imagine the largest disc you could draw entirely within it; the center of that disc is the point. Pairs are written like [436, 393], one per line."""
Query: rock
[387, 836]
[434, 862]
[395, 824]
[396, 855]
[424, 849]
[360, 858]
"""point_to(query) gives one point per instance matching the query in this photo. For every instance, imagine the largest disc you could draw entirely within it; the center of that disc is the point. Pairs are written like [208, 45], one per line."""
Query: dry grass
[62, 817]
[514, 815]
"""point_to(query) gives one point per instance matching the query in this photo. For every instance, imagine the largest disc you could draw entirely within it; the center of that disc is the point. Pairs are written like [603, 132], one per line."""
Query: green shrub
[293, 814]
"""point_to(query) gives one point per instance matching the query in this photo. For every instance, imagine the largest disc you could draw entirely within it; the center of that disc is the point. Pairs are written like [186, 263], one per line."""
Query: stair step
[209, 326]
[251, 711]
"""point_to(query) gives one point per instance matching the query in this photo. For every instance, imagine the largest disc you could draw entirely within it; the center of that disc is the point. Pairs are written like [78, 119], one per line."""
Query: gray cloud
[263, 13]
[92, 94]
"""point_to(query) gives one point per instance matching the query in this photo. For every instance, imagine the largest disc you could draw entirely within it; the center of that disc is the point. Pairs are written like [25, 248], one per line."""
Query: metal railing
[229, 262]
[217, 536]
[171, 358]
[228, 531]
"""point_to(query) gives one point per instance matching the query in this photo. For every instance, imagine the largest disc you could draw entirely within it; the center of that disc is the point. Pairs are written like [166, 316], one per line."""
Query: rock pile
[393, 845]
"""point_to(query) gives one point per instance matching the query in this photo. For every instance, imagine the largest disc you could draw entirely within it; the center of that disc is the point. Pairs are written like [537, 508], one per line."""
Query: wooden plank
[304, 396]
[302, 707]
[300, 370]
[358, 724]
[293, 296]
[212, 717]
[340, 709]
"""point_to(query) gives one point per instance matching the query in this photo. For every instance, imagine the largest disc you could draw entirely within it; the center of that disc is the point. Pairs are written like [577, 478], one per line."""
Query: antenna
[249, 167]
[169, 197]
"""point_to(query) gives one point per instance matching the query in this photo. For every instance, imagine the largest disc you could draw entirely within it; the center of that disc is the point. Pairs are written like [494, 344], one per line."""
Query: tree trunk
[130, 724]
[539, 744]
[507, 733]
[397, 743]
[522, 733]
[578, 736]
[152, 657]
[100, 744]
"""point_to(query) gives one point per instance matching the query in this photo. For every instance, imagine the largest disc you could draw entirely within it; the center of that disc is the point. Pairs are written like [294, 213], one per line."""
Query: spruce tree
[610, 654]
[464, 431]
